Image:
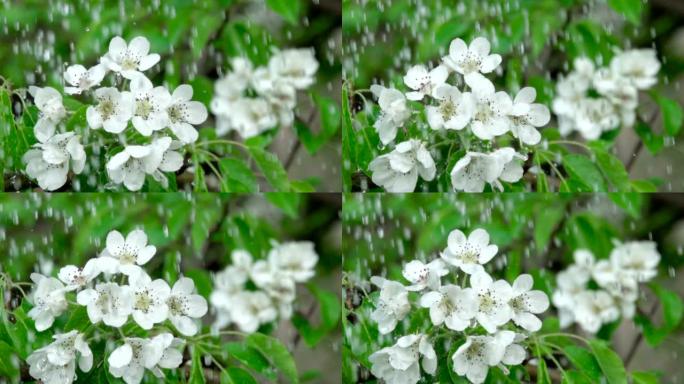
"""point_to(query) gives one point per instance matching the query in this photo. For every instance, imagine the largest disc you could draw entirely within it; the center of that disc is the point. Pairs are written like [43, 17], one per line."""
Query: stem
[229, 142]
[571, 142]
[222, 333]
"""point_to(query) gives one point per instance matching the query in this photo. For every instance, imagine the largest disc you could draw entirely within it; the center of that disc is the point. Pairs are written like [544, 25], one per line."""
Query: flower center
[103, 301]
[447, 109]
[483, 112]
[129, 64]
[518, 303]
[176, 113]
[177, 305]
[144, 108]
[143, 301]
[475, 351]
[106, 108]
[127, 258]
[487, 302]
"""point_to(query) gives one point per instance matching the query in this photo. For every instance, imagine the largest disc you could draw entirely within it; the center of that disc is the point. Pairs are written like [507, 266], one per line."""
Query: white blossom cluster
[253, 100]
[617, 278]
[110, 302]
[251, 293]
[476, 109]
[147, 148]
[593, 100]
[478, 314]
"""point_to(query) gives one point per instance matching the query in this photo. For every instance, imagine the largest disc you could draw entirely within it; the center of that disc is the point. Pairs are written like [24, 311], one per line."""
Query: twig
[640, 337]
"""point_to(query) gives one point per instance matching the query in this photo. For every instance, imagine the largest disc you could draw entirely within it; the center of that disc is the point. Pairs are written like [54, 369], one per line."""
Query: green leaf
[250, 357]
[330, 310]
[271, 167]
[629, 202]
[204, 222]
[202, 281]
[196, 371]
[78, 320]
[613, 170]
[77, 122]
[7, 368]
[584, 361]
[290, 10]
[543, 373]
[672, 114]
[653, 142]
[583, 169]
[235, 375]
[574, 377]
[643, 186]
[237, 176]
[547, 219]
[630, 9]
[200, 184]
[644, 377]
[206, 26]
[276, 353]
[673, 311]
[287, 202]
[609, 361]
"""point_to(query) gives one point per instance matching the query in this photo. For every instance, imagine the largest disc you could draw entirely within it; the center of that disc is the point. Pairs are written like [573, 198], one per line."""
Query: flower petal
[121, 356]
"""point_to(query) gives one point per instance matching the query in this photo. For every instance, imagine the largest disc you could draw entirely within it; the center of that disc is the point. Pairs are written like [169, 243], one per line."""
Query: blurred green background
[536, 233]
[196, 40]
[194, 235]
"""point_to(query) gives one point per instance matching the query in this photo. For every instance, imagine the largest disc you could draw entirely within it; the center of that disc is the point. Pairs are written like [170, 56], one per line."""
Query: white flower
[492, 300]
[526, 302]
[393, 304]
[424, 276]
[423, 82]
[130, 360]
[475, 169]
[55, 363]
[570, 283]
[295, 259]
[526, 116]
[279, 286]
[490, 116]
[171, 357]
[49, 103]
[474, 358]
[83, 79]
[637, 258]
[184, 113]
[454, 110]
[50, 161]
[149, 114]
[184, 305]
[452, 305]
[249, 117]
[296, 67]
[108, 302]
[75, 277]
[113, 110]
[469, 254]
[398, 170]
[129, 253]
[250, 309]
[595, 308]
[595, 116]
[128, 166]
[149, 300]
[399, 363]
[473, 60]
[129, 60]
[394, 112]
[48, 301]
[163, 157]
[639, 65]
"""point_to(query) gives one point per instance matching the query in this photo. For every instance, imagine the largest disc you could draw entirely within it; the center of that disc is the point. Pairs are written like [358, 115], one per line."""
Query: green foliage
[276, 353]
[609, 361]
[673, 311]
